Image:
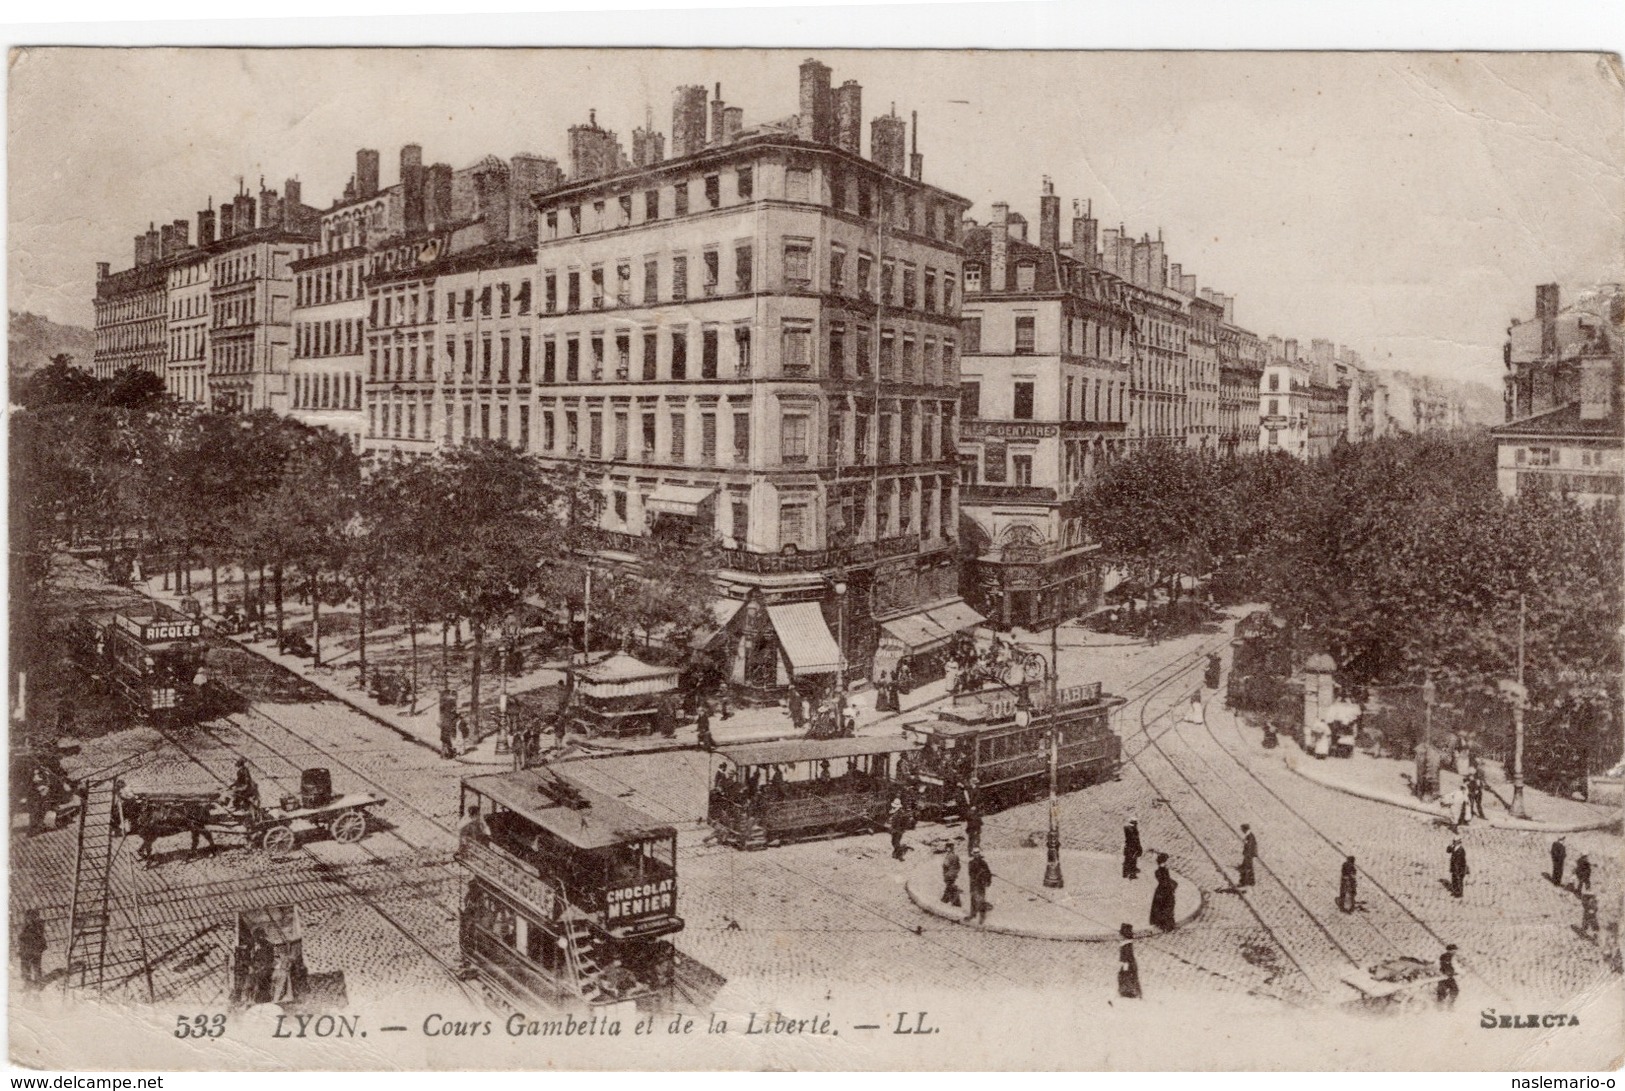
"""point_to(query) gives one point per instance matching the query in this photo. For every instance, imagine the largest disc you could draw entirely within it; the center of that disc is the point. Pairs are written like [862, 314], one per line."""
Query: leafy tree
[58, 383]
[1154, 515]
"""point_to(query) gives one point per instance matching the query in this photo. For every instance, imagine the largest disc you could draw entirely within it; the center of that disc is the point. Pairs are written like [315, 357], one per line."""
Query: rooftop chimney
[815, 121]
[103, 270]
[292, 195]
[412, 187]
[1049, 217]
[886, 141]
[242, 214]
[849, 117]
[733, 120]
[998, 233]
[183, 234]
[687, 120]
[366, 173]
[228, 219]
[1548, 302]
[916, 161]
[1084, 234]
[166, 240]
[716, 116]
[205, 224]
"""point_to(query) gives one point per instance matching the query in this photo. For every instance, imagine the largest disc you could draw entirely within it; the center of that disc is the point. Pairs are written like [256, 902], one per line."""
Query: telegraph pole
[1520, 697]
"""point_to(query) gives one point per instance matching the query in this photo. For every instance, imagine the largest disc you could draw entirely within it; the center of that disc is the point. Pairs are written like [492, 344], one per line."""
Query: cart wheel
[349, 827]
[277, 841]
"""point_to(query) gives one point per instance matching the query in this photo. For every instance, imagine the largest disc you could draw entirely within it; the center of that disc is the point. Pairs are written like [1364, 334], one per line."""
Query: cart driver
[245, 794]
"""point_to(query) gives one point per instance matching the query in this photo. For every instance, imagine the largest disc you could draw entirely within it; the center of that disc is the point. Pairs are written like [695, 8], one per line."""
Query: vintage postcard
[815, 559]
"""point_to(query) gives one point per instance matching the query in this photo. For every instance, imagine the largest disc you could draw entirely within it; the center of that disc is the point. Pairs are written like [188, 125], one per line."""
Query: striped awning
[955, 616]
[678, 499]
[805, 638]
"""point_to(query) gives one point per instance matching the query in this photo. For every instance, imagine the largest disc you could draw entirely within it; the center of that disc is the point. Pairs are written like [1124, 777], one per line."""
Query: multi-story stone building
[1159, 392]
[1044, 380]
[187, 352]
[131, 324]
[251, 296]
[1241, 370]
[1285, 400]
[1205, 316]
[1564, 430]
[777, 320]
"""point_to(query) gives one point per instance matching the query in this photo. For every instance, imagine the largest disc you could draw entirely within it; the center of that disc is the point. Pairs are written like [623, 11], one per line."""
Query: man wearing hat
[1348, 886]
[1128, 970]
[245, 794]
[1249, 853]
[1458, 868]
[1448, 990]
[1560, 852]
[981, 877]
[1131, 849]
[950, 877]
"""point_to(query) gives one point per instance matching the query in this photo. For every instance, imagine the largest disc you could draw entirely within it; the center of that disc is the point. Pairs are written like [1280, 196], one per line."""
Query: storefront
[913, 645]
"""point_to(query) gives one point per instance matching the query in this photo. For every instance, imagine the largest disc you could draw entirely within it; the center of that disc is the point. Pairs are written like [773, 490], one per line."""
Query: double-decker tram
[979, 749]
[569, 893]
[805, 789]
[151, 656]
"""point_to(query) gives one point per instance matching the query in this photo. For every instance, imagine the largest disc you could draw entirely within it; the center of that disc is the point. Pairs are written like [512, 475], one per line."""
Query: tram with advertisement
[150, 656]
[570, 894]
[988, 748]
[805, 789]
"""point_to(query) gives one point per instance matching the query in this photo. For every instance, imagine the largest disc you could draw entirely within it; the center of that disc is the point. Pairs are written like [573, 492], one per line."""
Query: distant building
[1564, 429]
[1285, 400]
[132, 324]
[1241, 369]
[187, 355]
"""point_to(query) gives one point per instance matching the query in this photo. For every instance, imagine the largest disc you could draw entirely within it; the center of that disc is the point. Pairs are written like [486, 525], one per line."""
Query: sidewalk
[1385, 780]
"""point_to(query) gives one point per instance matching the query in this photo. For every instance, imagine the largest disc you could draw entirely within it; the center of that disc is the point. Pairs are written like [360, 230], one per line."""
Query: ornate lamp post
[837, 583]
[1052, 842]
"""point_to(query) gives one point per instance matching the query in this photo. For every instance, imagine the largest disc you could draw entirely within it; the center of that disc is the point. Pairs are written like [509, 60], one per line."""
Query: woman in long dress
[1128, 968]
[1162, 901]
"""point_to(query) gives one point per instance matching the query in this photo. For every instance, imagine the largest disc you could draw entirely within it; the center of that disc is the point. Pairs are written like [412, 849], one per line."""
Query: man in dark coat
[1249, 853]
[1162, 900]
[703, 727]
[981, 878]
[950, 878]
[31, 949]
[898, 826]
[1128, 969]
[1560, 852]
[1475, 791]
[1448, 990]
[1458, 868]
[798, 711]
[973, 826]
[1348, 886]
[1131, 849]
[1582, 875]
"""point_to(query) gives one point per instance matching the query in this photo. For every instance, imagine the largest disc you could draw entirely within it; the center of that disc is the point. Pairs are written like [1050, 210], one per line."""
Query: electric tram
[151, 656]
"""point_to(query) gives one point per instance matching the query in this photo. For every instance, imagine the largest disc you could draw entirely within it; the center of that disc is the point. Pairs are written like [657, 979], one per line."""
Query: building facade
[187, 352]
[1045, 376]
[757, 339]
[132, 322]
[1284, 401]
[1565, 431]
[1241, 371]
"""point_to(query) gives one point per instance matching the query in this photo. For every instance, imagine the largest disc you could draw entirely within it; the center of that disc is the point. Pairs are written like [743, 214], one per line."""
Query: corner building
[757, 339]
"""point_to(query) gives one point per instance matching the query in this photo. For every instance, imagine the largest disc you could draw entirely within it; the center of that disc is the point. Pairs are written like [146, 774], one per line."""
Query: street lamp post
[1520, 698]
[838, 585]
[1052, 842]
[1430, 693]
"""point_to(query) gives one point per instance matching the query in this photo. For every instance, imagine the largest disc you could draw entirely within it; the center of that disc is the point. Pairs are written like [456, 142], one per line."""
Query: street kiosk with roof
[805, 789]
[621, 696]
[570, 891]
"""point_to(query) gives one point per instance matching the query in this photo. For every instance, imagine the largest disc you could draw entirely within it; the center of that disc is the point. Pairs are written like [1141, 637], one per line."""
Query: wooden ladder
[88, 912]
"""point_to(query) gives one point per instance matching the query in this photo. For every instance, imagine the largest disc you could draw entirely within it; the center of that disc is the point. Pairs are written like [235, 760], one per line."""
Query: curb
[925, 904]
[1499, 822]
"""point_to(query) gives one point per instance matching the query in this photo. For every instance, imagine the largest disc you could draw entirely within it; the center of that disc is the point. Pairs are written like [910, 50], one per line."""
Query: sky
[1404, 205]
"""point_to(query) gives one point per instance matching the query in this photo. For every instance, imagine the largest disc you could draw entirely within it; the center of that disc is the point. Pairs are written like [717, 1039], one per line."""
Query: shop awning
[916, 632]
[955, 616]
[722, 612]
[678, 499]
[805, 638]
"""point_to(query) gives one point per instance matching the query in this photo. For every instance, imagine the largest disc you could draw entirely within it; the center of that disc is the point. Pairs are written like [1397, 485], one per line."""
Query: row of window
[327, 391]
[331, 285]
[192, 273]
[240, 311]
[629, 209]
[334, 337]
[188, 306]
[505, 299]
[130, 308]
[232, 357]
[1090, 400]
[1078, 337]
[132, 337]
[230, 270]
[187, 344]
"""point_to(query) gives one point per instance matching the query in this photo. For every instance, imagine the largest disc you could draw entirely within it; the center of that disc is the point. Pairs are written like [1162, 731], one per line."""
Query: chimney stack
[687, 120]
[916, 161]
[155, 249]
[292, 195]
[103, 270]
[166, 240]
[733, 120]
[228, 219]
[183, 234]
[886, 147]
[1049, 217]
[242, 213]
[814, 123]
[1548, 301]
[717, 108]
[366, 173]
[412, 187]
[1187, 284]
[1084, 234]
[849, 117]
[205, 224]
[998, 234]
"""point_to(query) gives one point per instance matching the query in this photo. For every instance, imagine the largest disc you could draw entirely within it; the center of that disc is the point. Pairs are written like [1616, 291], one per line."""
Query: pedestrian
[474, 828]
[981, 878]
[898, 826]
[1445, 995]
[1131, 849]
[1559, 852]
[31, 949]
[1475, 791]
[1128, 970]
[1458, 868]
[798, 711]
[1162, 900]
[261, 968]
[973, 826]
[1249, 853]
[1348, 886]
[950, 878]
[1212, 674]
[1582, 875]
[703, 727]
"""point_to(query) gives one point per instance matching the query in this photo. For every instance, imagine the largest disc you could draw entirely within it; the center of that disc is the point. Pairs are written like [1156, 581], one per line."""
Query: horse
[150, 819]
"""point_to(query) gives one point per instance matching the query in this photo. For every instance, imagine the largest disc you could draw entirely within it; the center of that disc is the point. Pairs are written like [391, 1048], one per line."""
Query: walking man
[1249, 853]
[1582, 875]
[898, 826]
[1128, 970]
[1475, 791]
[973, 826]
[31, 949]
[703, 727]
[1458, 868]
[950, 878]
[1559, 852]
[1448, 990]
[1131, 849]
[981, 877]
[1348, 886]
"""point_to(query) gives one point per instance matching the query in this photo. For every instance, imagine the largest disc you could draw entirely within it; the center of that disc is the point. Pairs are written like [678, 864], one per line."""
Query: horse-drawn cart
[151, 811]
